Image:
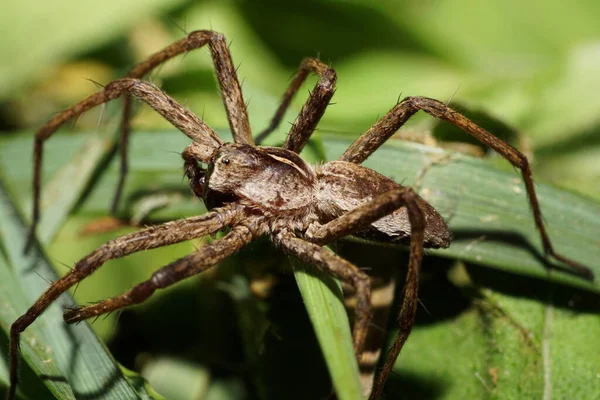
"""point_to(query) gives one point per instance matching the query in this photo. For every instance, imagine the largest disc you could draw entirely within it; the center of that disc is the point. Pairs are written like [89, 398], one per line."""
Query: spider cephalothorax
[268, 178]
[252, 190]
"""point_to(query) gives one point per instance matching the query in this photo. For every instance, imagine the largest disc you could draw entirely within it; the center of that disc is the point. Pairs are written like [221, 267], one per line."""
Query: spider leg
[150, 238]
[328, 261]
[383, 129]
[359, 219]
[313, 109]
[183, 119]
[193, 264]
[231, 91]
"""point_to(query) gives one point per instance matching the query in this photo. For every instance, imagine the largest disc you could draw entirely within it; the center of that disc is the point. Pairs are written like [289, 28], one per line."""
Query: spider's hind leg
[329, 262]
[359, 219]
[385, 127]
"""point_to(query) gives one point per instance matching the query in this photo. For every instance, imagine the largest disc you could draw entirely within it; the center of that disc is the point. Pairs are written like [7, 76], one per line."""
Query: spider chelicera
[254, 190]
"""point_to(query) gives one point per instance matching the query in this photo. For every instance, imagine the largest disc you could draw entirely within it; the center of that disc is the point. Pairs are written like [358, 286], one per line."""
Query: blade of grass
[322, 296]
[13, 300]
[67, 185]
[52, 348]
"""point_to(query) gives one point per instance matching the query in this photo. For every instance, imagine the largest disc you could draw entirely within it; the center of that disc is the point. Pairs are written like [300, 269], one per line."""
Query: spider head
[260, 177]
[267, 178]
[229, 169]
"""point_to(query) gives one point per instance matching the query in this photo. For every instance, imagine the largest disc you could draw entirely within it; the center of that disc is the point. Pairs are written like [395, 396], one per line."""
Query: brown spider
[253, 191]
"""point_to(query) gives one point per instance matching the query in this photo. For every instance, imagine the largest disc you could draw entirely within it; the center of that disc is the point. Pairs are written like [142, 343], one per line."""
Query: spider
[253, 190]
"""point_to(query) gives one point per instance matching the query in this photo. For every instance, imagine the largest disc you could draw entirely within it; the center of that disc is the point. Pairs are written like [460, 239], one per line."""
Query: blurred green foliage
[534, 66]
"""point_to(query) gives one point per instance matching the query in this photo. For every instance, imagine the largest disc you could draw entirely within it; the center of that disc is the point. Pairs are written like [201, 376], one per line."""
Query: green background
[530, 71]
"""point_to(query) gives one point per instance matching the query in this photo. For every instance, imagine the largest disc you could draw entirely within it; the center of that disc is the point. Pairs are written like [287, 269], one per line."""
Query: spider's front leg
[231, 91]
[205, 138]
[180, 117]
[313, 109]
[383, 129]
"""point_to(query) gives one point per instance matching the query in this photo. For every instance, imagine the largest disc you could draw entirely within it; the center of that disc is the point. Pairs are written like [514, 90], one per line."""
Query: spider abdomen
[343, 186]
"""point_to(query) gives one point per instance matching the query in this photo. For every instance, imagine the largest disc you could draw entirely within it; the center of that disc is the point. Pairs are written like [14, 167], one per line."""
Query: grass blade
[322, 296]
[52, 348]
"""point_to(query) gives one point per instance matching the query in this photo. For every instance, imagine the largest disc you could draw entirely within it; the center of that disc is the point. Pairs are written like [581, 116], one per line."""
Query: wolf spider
[254, 190]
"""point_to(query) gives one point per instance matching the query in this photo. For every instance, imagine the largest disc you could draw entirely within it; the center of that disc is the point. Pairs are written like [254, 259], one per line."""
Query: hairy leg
[150, 238]
[313, 109]
[204, 258]
[328, 261]
[183, 119]
[383, 129]
[231, 91]
[359, 219]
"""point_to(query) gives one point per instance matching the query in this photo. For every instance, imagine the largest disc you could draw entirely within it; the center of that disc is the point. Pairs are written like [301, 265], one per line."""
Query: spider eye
[225, 161]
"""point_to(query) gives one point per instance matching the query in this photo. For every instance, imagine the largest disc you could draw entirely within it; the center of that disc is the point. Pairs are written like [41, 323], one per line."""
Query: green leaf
[322, 296]
[519, 343]
[75, 175]
[51, 348]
